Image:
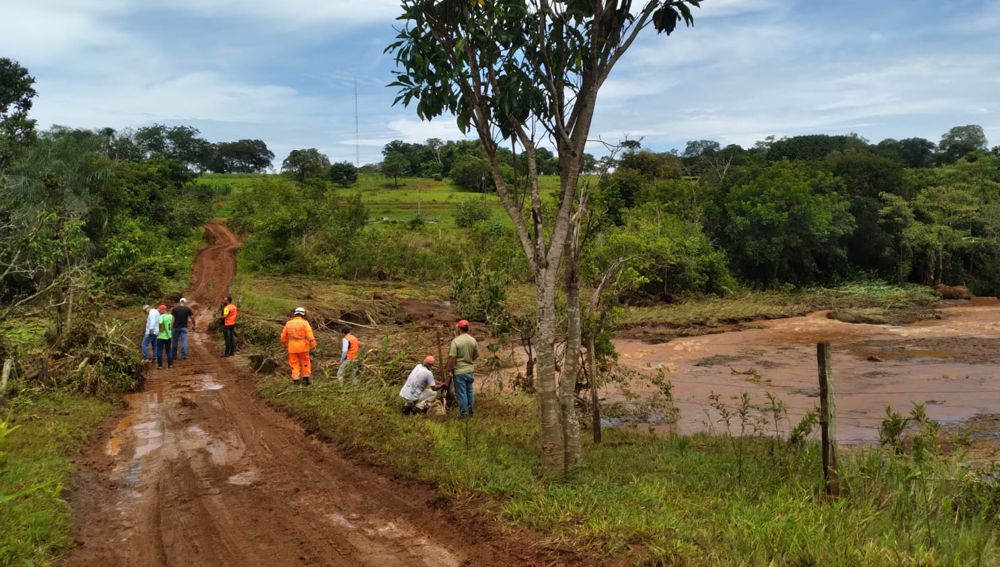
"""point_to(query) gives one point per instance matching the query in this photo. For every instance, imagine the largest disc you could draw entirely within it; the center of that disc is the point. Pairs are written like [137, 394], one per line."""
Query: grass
[50, 428]
[755, 305]
[431, 200]
[697, 500]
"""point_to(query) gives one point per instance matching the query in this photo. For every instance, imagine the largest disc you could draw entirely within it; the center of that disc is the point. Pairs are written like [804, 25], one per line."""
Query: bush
[472, 211]
[472, 174]
[344, 173]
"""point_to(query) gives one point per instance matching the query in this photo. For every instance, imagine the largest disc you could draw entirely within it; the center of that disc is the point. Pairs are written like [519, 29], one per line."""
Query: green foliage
[479, 293]
[665, 256]
[642, 499]
[344, 173]
[306, 164]
[16, 129]
[962, 141]
[472, 174]
[471, 212]
[786, 222]
[395, 165]
[42, 434]
[241, 156]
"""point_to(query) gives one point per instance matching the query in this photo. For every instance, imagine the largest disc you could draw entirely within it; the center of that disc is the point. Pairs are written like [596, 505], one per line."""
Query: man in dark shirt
[182, 313]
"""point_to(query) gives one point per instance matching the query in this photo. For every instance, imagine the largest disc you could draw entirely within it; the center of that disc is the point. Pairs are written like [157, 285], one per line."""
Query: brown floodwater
[949, 364]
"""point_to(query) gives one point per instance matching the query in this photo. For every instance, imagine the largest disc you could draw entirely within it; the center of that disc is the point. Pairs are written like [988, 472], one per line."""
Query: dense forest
[796, 211]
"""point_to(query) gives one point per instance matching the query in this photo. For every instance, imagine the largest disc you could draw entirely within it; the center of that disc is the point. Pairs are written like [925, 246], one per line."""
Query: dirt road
[949, 364]
[199, 471]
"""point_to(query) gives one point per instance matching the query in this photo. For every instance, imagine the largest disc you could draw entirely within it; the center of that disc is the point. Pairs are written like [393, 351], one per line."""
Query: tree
[394, 165]
[813, 146]
[911, 152]
[787, 222]
[962, 141]
[241, 156]
[698, 148]
[344, 173]
[16, 91]
[306, 164]
[517, 72]
[471, 173]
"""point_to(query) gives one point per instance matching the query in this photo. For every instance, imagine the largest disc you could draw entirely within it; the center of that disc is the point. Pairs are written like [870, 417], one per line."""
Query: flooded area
[950, 364]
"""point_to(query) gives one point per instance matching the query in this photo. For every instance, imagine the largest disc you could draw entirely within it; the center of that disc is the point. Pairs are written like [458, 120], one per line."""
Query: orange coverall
[297, 338]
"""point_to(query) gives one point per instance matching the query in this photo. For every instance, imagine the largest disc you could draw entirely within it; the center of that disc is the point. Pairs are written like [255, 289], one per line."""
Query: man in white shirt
[420, 391]
[149, 335]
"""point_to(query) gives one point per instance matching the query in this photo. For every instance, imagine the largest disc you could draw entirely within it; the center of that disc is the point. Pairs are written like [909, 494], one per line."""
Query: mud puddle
[948, 364]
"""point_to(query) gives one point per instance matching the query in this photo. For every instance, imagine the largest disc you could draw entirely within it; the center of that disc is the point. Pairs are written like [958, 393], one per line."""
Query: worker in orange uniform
[298, 339]
[350, 348]
[229, 326]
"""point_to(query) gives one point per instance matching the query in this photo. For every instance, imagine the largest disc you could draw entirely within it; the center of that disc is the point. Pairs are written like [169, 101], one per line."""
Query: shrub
[472, 211]
[344, 173]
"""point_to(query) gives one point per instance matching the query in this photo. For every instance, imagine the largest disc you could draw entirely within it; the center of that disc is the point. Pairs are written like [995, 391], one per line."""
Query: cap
[183, 300]
[161, 308]
[463, 324]
[145, 307]
[300, 310]
[429, 360]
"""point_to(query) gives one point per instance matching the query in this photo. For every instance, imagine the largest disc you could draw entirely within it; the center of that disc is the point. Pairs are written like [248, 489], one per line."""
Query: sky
[284, 71]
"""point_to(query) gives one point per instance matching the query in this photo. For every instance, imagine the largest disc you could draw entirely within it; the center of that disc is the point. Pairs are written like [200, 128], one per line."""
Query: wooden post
[449, 397]
[8, 365]
[827, 423]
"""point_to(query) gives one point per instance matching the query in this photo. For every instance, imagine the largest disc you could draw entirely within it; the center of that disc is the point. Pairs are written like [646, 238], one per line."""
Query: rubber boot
[306, 382]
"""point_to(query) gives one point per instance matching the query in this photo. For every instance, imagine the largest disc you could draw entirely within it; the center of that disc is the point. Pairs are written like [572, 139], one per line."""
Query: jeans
[148, 347]
[180, 336]
[348, 369]
[163, 345]
[463, 391]
[229, 332]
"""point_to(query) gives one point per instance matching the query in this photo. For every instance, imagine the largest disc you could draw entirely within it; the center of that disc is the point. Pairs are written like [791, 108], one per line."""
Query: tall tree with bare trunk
[525, 74]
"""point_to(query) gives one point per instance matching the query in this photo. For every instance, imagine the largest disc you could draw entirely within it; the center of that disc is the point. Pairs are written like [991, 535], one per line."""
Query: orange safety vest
[297, 336]
[353, 346]
[229, 311]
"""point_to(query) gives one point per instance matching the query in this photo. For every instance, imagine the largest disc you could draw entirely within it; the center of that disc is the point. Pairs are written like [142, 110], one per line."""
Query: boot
[306, 382]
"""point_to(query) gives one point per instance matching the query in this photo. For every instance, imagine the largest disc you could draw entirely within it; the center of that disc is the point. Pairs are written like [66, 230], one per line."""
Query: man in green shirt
[163, 337]
[462, 355]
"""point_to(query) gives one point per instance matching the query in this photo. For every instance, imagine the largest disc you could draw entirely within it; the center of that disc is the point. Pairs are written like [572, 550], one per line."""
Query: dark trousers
[161, 346]
[229, 332]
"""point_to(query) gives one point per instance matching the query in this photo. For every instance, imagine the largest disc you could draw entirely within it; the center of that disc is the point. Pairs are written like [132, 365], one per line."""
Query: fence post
[8, 365]
[827, 420]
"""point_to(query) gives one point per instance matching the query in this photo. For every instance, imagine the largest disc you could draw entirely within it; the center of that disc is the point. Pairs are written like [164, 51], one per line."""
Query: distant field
[432, 200]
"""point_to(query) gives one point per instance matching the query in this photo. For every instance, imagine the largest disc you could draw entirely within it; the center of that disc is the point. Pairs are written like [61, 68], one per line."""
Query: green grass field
[429, 199]
[35, 470]
[701, 500]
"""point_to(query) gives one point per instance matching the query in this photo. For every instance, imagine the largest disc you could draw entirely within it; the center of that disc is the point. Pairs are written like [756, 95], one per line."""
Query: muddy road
[951, 364]
[199, 471]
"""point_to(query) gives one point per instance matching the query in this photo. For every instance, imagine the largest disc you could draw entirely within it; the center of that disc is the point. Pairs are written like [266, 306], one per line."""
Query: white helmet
[300, 310]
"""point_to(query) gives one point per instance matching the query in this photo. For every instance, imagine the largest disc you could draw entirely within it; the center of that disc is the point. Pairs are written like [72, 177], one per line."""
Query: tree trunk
[571, 358]
[550, 426]
[594, 401]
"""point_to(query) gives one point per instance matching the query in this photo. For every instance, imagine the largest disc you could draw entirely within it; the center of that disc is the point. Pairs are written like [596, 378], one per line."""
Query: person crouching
[420, 391]
[298, 339]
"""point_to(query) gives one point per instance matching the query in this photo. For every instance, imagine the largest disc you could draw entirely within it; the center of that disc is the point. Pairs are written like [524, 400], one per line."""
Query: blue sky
[284, 71]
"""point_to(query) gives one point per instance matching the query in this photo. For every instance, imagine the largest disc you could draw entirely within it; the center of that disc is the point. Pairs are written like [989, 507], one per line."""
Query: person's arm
[475, 351]
[452, 358]
[284, 337]
[344, 345]
[310, 336]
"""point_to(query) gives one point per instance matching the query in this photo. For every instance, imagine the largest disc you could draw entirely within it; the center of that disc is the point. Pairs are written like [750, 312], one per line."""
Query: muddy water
[948, 364]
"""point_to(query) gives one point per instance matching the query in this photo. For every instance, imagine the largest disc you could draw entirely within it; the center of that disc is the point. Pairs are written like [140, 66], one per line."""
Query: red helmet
[463, 324]
[161, 308]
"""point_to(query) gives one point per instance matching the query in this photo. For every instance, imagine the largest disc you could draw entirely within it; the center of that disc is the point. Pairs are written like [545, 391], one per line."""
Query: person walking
[163, 338]
[420, 391]
[350, 348]
[181, 313]
[229, 313]
[298, 339]
[150, 332]
[462, 355]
